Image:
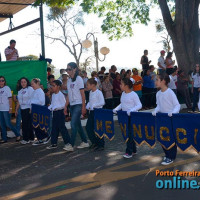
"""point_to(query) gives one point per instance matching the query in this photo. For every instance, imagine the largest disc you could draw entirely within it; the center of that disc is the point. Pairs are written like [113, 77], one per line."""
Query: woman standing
[182, 88]
[76, 99]
[6, 110]
[195, 86]
[117, 90]
[107, 91]
[38, 98]
[169, 63]
[24, 103]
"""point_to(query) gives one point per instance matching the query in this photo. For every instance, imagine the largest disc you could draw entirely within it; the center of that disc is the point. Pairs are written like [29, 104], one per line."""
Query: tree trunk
[184, 31]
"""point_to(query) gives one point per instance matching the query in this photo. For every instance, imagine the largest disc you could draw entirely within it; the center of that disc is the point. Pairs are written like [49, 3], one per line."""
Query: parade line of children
[31, 93]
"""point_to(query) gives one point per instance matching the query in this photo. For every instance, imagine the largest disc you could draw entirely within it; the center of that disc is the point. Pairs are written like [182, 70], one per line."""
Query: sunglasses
[2, 81]
[68, 69]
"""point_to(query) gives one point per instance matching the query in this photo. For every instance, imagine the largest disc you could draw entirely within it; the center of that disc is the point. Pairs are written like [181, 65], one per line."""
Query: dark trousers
[90, 131]
[40, 134]
[130, 145]
[195, 98]
[171, 153]
[27, 129]
[116, 100]
[169, 71]
[108, 104]
[185, 94]
[147, 96]
[58, 125]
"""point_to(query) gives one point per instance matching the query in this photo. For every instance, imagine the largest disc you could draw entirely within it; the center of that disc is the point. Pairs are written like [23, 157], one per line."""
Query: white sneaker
[83, 145]
[127, 156]
[32, 141]
[68, 147]
[24, 142]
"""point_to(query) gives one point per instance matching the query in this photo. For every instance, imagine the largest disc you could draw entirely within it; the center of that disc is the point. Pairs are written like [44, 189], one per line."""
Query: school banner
[164, 130]
[143, 128]
[103, 123]
[186, 129]
[15, 70]
[41, 117]
[123, 120]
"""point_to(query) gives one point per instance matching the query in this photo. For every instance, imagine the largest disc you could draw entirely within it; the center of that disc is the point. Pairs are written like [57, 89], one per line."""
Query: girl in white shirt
[38, 98]
[58, 122]
[130, 102]
[24, 103]
[167, 102]
[6, 110]
[96, 100]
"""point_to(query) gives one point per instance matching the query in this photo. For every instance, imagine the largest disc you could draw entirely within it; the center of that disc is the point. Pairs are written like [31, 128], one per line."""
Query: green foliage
[59, 3]
[119, 15]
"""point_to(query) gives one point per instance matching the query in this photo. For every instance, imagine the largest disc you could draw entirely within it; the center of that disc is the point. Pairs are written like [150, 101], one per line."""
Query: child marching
[24, 103]
[38, 98]
[130, 102]
[6, 110]
[96, 100]
[58, 122]
[167, 102]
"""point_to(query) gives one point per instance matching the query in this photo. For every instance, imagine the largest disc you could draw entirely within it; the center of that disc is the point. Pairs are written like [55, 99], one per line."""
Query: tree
[166, 39]
[119, 15]
[66, 20]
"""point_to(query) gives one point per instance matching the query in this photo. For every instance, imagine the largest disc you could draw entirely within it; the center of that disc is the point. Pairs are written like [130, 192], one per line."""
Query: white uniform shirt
[167, 102]
[173, 80]
[74, 90]
[24, 97]
[58, 101]
[38, 97]
[5, 94]
[161, 60]
[129, 102]
[132, 80]
[196, 79]
[96, 100]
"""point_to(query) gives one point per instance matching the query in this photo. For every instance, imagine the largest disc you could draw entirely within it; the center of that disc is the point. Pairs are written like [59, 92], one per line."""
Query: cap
[162, 52]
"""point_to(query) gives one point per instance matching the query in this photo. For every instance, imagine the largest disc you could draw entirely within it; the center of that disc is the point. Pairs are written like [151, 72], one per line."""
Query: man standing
[113, 72]
[161, 62]
[10, 52]
[145, 61]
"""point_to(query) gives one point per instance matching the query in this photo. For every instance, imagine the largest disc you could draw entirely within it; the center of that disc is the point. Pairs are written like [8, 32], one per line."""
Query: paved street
[33, 172]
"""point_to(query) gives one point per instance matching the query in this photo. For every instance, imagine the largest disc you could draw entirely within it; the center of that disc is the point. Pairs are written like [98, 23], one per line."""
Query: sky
[125, 53]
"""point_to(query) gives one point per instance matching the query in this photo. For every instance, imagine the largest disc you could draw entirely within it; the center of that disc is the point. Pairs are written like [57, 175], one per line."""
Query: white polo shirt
[74, 90]
[24, 97]
[5, 94]
[196, 79]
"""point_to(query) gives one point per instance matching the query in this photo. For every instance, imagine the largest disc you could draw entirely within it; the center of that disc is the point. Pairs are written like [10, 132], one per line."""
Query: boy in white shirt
[96, 100]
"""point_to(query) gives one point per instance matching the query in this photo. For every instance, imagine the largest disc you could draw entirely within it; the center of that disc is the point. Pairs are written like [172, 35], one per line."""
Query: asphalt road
[33, 172]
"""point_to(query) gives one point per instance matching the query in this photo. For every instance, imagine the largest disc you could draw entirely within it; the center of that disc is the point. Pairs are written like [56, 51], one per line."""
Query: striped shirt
[8, 51]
